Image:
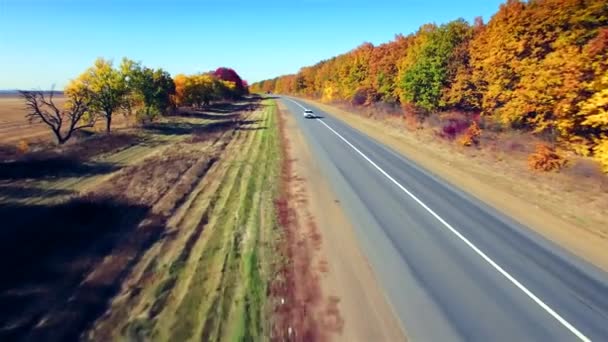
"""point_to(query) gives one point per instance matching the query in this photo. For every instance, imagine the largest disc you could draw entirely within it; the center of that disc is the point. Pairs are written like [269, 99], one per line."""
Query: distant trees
[540, 66]
[200, 89]
[130, 88]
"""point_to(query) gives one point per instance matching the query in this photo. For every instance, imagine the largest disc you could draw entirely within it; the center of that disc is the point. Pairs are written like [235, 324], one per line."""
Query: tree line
[131, 89]
[538, 65]
[200, 89]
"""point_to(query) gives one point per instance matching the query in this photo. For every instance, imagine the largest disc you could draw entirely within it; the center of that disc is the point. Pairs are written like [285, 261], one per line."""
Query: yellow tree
[180, 89]
[595, 113]
[532, 65]
[107, 88]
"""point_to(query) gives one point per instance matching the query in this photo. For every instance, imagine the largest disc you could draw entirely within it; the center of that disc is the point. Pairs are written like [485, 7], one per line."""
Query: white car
[308, 114]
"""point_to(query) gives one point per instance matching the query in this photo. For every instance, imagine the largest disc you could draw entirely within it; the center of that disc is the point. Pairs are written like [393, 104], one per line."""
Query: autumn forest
[537, 66]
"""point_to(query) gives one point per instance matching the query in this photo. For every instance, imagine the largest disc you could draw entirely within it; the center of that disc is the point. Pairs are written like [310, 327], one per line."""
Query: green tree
[424, 80]
[154, 87]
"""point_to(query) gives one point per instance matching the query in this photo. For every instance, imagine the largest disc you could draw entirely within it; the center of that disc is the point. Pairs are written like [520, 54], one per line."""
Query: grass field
[209, 280]
[165, 232]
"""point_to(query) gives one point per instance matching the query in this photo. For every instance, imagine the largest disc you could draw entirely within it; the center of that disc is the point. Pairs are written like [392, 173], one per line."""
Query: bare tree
[63, 122]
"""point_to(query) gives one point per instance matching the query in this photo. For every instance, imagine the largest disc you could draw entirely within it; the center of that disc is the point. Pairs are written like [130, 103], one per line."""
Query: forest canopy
[540, 66]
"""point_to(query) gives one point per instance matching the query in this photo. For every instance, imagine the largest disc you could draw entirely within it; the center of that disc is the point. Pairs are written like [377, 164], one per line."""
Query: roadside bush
[471, 136]
[23, 147]
[546, 158]
[148, 115]
[453, 124]
[363, 97]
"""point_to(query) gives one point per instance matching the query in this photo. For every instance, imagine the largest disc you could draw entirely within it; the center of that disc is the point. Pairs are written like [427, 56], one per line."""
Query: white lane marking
[506, 274]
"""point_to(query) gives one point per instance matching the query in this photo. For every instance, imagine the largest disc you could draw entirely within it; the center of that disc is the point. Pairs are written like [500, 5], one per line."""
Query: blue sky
[46, 42]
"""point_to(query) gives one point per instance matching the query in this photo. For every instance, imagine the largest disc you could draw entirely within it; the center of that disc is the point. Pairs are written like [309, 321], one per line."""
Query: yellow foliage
[180, 81]
[471, 136]
[540, 66]
[595, 109]
[546, 158]
[329, 93]
[579, 145]
[601, 153]
[228, 84]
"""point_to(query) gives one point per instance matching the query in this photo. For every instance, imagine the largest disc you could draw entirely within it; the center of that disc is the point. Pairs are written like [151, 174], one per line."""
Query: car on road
[308, 114]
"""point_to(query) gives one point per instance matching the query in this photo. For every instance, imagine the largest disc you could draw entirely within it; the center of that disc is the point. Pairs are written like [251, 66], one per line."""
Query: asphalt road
[452, 267]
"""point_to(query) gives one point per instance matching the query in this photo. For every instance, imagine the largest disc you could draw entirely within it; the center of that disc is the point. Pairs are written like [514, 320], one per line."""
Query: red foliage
[455, 125]
[228, 74]
[599, 44]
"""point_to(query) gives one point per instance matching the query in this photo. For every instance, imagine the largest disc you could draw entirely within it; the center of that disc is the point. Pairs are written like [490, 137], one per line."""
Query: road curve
[452, 267]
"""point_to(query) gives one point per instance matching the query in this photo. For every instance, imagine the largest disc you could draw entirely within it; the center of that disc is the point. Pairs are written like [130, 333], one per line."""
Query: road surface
[452, 267]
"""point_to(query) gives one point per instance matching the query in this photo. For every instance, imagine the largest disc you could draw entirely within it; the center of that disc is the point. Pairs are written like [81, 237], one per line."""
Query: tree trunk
[62, 140]
[108, 123]
[58, 136]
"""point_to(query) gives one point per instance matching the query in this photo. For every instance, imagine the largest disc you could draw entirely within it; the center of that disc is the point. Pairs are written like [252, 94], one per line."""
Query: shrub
[363, 97]
[471, 136]
[148, 115]
[23, 147]
[546, 158]
[453, 124]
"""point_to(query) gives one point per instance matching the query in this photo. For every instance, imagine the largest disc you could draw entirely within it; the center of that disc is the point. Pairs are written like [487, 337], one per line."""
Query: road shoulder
[353, 305]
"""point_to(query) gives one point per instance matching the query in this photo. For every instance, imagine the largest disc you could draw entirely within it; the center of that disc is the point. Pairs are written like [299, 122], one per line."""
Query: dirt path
[556, 216]
[338, 285]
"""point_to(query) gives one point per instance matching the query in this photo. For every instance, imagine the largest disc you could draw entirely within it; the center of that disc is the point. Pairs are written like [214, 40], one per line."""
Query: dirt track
[332, 277]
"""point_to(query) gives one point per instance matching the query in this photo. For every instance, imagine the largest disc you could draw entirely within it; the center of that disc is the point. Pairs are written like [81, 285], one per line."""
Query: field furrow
[186, 264]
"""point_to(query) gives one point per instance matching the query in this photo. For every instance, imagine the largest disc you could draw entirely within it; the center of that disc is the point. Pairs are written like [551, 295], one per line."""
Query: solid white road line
[506, 274]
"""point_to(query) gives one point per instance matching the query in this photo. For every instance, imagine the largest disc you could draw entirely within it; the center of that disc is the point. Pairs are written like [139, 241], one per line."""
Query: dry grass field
[161, 232]
[14, 126]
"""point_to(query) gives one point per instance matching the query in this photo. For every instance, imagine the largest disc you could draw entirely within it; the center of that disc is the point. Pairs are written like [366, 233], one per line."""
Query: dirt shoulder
[336, 284]
[573, 219]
